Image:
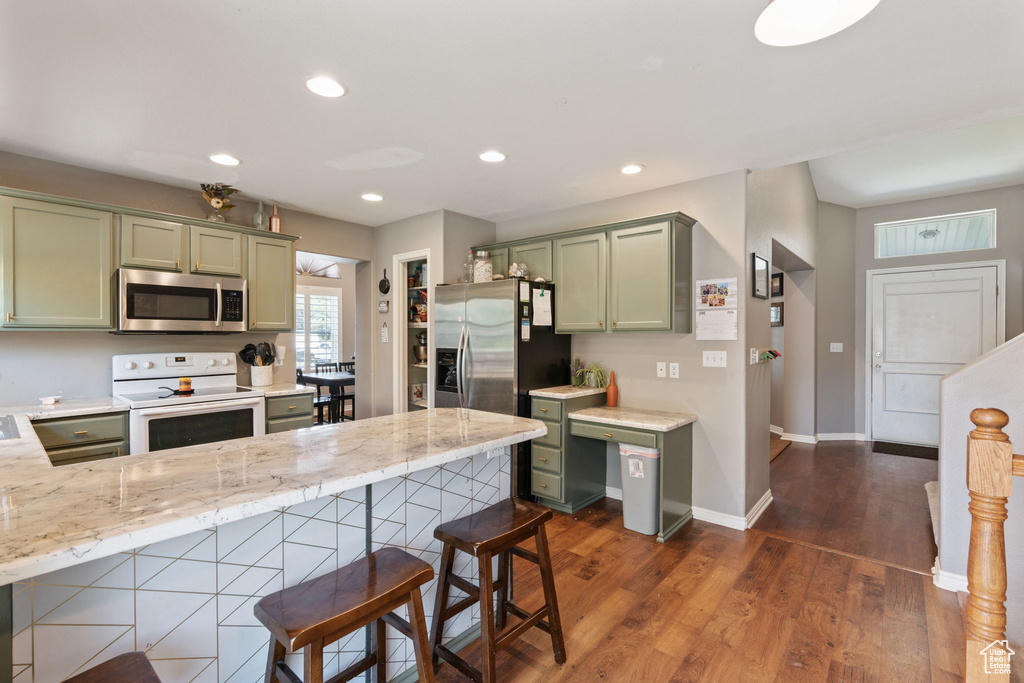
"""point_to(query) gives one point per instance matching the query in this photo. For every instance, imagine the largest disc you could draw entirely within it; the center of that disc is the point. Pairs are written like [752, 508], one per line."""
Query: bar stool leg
[503, 579]
[276, 652]
[382, 651]
[420, 642]
[487, 618]
[313, 663]
[437, 625]
[548, 580]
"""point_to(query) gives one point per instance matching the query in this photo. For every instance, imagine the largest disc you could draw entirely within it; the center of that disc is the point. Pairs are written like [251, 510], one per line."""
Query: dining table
[334, 380]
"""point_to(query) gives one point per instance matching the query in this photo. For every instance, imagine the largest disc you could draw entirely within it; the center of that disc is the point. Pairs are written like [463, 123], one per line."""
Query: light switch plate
[673, 370]
[661, 368]
[714, 359]
[836, 347]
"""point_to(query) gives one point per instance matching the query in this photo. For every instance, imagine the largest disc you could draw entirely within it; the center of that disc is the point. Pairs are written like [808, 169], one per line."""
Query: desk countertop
[567, 392]
[638, 418]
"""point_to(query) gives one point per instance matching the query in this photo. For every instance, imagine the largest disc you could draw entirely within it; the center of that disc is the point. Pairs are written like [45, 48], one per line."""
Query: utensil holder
[262, 375]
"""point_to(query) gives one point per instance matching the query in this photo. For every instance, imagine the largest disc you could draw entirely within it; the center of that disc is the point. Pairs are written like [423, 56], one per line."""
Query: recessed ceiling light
[372, 197]
[326, 87]
[631, 169]
[785, 23]
[492, 156]
[224, 160]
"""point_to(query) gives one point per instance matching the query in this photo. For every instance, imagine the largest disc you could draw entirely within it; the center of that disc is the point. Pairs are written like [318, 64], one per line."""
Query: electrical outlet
[753, 356]
[836, 347]
[661, 368]
[673, 370]
[714, 359]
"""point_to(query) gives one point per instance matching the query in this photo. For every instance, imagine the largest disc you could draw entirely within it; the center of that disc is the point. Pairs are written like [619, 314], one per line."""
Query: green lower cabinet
[285, 413]
[536, 256]
[640, 278]
[152, 243]
[271, 284]
[57, 265]
[565, 474]
[580, 271]
[215, 252]
[83, 438]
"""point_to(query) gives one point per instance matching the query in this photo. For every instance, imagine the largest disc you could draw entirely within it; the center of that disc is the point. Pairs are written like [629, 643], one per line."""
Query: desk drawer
[545, 409]
[289, 406]
[546, 485]
[592, 430]
[287, 424]
[81, 430]
[544, 458]
[554, 436]
[76, 454]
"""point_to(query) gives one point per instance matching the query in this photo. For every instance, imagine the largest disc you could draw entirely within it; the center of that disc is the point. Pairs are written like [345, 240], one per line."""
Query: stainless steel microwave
[176, 303]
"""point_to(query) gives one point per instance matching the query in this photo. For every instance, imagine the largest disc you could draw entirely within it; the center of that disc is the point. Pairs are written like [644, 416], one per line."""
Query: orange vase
[613, 392]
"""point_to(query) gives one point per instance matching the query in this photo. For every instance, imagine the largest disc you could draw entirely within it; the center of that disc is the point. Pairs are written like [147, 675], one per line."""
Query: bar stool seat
[132, 667]
[496, 530]
[316, 613]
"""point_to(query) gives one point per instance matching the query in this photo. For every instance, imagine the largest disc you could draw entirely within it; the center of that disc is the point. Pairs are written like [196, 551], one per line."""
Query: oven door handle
[199, 407]
[220, 305]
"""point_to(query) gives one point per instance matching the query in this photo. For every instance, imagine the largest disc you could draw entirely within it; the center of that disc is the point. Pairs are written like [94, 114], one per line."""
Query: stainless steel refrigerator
[491, 352]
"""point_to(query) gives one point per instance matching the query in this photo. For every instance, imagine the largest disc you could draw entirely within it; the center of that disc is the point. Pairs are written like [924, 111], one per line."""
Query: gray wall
[716, 395]
[995, 381]
[837, 383]
[777, 367]
[1009, 201]
[799, 372]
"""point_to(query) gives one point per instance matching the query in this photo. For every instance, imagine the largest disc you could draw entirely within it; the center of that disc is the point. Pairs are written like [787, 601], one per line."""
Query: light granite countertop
[67, 407]
[638, 418]
[567, 392]
[283, 389]
[56, 517]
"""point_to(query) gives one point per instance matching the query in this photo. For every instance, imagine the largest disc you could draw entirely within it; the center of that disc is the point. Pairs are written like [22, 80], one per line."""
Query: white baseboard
[800, 438]
[839, 436]
[948, 580]
[614, 494]
[775, 430]
[758, 508]
[720, 518]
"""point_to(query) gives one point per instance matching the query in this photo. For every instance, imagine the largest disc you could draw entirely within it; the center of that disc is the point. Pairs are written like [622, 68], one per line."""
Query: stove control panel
[171, 365]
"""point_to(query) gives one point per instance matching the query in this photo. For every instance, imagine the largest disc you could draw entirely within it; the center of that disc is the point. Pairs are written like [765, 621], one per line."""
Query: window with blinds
[317, 327]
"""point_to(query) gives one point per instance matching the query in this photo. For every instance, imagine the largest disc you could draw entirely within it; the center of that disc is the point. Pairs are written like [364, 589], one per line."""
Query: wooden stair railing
[991, 465]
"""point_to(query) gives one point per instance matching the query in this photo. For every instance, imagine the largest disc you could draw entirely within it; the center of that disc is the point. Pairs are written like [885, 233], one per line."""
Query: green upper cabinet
[271, 284]
[57, 265]
[536, 256]
[499, 259]
[215, 252]
[580, 270]
[152, 243]
[640, 277]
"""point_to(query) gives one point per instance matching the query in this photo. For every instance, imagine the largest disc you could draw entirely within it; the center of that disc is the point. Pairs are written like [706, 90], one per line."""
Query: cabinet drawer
[545, 409]
[76, 454]
[554, 436]
[544, 458]
[546, 485]
[289, 406]
[287, 424]
[80, 430]
[591, 430]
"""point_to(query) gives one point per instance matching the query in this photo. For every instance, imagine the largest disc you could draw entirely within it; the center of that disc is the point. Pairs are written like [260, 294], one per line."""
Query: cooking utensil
[385, 285]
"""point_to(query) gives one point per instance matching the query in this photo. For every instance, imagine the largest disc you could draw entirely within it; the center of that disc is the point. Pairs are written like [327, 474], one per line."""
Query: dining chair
[320, 401]
[325, 367]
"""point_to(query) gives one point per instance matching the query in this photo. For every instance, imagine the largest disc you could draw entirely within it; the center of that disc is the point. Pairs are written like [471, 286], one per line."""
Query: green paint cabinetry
[57, 265]
[214, 251]
[565, 475]
[288, 412]
[536, 256]
[499, 260]
[152, 243]
[271, 284]
[581, 272]
[83, 438]
[640, 278]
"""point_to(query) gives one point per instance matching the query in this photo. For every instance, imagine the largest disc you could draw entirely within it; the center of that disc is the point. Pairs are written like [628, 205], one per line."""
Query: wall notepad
[541, 307]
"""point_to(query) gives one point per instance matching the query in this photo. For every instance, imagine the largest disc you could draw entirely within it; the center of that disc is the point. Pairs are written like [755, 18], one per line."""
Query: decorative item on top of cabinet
[613, 391]
[218, 196]
[483, 267]
[259, 219]
[275, 221]
[271, 284]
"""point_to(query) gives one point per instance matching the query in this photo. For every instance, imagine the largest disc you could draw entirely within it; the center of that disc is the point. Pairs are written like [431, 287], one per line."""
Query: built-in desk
[568, 464]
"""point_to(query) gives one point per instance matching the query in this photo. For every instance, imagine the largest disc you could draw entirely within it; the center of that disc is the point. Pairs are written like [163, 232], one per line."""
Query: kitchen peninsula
[168, 551]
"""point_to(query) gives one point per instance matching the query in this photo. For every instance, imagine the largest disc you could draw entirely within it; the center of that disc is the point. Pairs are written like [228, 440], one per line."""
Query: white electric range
[160, 417]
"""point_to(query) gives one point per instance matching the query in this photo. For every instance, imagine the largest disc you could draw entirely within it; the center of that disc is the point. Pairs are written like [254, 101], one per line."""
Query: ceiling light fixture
[631, 169]
[493, 156]
[224, 159]
[929, 234]
[326, 87]
[784, 23]
[373, 197]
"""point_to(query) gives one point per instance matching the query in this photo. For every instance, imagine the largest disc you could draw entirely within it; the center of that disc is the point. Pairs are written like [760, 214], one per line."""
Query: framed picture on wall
[776, 285]
[777, 314]
[760, 276]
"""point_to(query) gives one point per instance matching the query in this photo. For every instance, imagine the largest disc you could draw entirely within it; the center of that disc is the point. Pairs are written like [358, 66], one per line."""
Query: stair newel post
[989, 481]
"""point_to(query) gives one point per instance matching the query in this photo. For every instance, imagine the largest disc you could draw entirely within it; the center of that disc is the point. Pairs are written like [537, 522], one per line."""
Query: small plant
[218, 195]
[593, 375]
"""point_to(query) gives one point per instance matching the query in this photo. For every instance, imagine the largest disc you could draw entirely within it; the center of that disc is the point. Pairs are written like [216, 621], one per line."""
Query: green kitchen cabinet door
[57, 265]
[499, 259]
[215, 252]
[640, 280]
[152, 243]
[271, 284]
[536, 256]
[581, 271]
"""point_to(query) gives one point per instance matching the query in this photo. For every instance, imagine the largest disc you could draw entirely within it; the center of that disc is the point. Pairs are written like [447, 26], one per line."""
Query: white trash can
[641, 477]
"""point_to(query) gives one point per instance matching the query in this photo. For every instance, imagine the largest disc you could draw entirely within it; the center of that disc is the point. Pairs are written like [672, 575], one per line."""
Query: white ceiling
[570, 90]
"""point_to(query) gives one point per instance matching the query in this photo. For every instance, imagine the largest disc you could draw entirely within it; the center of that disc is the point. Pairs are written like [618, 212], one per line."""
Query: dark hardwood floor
[714, 604]
[840, 496]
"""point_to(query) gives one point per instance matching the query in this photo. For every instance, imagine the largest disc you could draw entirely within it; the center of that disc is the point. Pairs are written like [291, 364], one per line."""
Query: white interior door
[925, 324]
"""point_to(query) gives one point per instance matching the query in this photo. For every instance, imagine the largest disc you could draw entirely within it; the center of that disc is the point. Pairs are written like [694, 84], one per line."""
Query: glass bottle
[483, 267]
[467, 268]
[259, 219]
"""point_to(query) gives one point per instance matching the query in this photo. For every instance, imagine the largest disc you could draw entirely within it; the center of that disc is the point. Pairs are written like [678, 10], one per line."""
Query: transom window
[936, 235]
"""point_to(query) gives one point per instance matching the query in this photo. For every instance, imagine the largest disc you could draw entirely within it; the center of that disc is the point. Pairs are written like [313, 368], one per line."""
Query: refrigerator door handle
[458, 368]
[462, 368]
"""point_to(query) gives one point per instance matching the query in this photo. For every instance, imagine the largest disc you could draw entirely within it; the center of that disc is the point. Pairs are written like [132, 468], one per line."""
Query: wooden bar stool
[497, 530]
[132, 667]
[321, 611]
